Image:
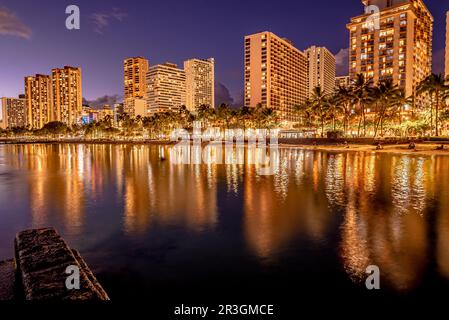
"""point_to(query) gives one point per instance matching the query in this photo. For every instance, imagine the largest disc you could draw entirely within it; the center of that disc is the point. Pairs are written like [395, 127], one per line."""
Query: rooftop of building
[387, 5]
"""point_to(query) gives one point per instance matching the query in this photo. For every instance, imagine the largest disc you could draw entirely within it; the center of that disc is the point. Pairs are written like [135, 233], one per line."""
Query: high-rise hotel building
[200, 83]
[396, 43]
[67, 95]
[322, 69]
[166, 88]
[275, 74]
[13, 112]
[135, 71]
[39, 104]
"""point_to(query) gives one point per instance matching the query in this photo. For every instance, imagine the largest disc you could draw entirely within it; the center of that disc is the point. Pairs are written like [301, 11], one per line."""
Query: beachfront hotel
[200, 83]
[39, 104]
[135, 70]
[166, 88]
[67, 95]
[13, 112]
[275, 74]
[321, 69]
[395, 44]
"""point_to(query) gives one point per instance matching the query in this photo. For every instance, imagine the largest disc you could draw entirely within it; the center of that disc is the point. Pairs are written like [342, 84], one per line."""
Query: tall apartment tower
[13, 112]
[396, 43]
[135, 71]
[38, 95]
[322, 69]
[275, 74]
[446, 65]
[166, 88]
[200, 83]
[67, 95]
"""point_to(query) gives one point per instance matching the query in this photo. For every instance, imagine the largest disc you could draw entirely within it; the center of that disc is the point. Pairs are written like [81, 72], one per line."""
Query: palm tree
[435, 86]
[304, 113]
[320, 106]
[205, 113]
[266, 117]
[384, 96]
[343, 98]
[184, 118]
[360, 90]
[224, 115]
[246, 116]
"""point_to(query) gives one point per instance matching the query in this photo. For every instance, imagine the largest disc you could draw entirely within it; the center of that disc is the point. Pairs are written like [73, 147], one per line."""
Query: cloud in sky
[101, 101]
[10, 25]
[222, 94]
[342, 60]
[101, 21]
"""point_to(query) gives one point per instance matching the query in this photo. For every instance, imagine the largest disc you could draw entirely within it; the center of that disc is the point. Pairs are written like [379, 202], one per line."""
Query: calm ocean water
[147, 226]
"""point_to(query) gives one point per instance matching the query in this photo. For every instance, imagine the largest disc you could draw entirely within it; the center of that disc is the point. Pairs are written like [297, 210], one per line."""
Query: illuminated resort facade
[275, 74]
[321, 69]
[135, 71]
[394, 44]
[39, 103]
[200, 83]
[13, 112]
[166, 88]
[67, 95]
[54, 98]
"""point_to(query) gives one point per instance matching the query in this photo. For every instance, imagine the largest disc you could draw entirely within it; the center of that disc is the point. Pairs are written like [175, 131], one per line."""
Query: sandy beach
[421, 148]
[424, 148]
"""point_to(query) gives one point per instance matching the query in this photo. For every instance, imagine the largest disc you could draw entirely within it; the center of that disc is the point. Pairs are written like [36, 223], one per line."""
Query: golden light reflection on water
[388, 210]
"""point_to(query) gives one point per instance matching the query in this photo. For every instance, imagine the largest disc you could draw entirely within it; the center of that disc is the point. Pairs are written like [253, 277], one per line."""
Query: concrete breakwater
[38, 270]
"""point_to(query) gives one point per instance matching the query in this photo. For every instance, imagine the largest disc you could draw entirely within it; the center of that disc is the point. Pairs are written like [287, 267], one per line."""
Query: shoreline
[422, 148]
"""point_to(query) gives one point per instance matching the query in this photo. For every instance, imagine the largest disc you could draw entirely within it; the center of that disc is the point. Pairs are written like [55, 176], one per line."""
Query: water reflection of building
[279, 210]
[165, 193]
[390, 232]
[441, 165]
[55, 182]
[382, 209]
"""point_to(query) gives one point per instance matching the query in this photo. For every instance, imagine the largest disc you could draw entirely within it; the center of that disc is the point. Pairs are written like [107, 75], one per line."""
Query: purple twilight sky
[33, 37]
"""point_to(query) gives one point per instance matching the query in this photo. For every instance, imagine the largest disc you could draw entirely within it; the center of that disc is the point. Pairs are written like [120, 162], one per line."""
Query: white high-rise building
[275, 74]
[200, 82]
[166, 88]
[322, 69]
[397, 47]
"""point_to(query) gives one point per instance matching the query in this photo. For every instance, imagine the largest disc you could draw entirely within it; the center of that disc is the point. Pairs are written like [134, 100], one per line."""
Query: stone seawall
[39, 268]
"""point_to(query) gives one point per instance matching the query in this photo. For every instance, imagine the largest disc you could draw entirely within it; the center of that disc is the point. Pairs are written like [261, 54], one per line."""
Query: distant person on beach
[379, 146]
[441, 147]
[346, 144]
[412, 146]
